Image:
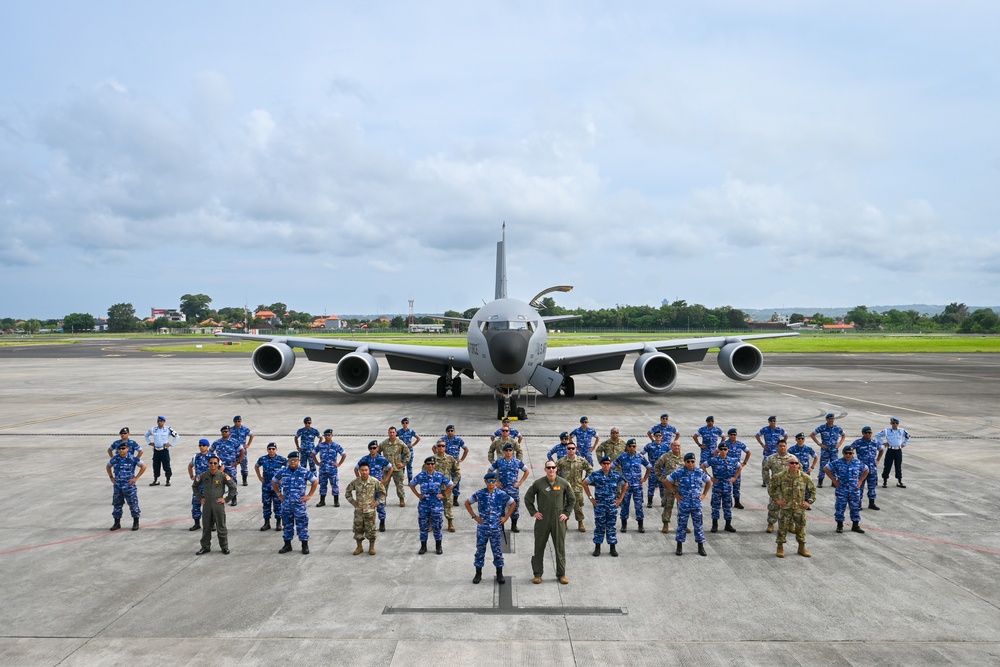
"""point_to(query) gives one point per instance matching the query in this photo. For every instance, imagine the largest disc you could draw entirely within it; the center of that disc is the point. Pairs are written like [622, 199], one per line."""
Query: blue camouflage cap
[866, 429]
[292, 455]
[490, 477]
[630, 441]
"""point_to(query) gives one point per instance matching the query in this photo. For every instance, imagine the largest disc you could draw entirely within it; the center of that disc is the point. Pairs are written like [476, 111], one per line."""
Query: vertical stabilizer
[501, 292]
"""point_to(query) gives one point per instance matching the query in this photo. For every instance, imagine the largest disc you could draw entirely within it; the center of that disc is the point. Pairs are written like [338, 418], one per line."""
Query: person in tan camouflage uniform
[663, 466]
[363, 493]
[613, 447]
[574, 469]
[496, 449]
[793, 491]
[447, 466]
[398, 454]
[774, 464]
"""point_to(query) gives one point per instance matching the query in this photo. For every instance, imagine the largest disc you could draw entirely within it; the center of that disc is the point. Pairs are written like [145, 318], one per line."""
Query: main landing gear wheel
[442, 387]
[569, 387]
[456, 387]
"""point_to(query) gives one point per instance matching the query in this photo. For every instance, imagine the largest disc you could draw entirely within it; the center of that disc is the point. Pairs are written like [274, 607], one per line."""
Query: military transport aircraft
[508, 350]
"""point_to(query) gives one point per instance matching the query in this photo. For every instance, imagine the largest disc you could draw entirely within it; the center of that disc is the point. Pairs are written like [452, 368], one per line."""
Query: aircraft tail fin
[501, 291]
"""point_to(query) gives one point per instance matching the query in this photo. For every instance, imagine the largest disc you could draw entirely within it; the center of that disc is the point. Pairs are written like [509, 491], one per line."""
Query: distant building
[100, 324]
[839, 326]
[268, 317]
[169, 313]
[426, 328]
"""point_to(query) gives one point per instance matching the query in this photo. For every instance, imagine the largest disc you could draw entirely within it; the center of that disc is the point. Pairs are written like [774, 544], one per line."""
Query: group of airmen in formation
[289, 482]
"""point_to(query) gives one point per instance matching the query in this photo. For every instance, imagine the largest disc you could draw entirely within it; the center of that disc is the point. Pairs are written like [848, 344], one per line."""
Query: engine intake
[655, 372]
[357, 372]
[273, 361]
[740, 361]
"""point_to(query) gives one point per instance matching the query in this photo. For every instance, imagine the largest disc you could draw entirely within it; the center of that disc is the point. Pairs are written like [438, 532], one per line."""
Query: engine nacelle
[273, 361]
[740, 361]
[357, 372]
[655, 372]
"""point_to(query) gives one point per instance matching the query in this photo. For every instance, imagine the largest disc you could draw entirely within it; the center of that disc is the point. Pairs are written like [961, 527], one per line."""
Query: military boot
[680, 548]
[885, 482]
[872, 505]
[582, 528]
[277, 523]
[500, 578]
[117, 525]
[649, 501]
[855, 527]
[479, 575]
[729, 526]
[899, 483]
[624, 525]
[381, 525]
[244, 480]
[736, 503]
[770, 527]
[840, 526]
[267, 525]
[666, 527]
[423, 548]
[168, 481]
[802, 550]
[437, 547]
[305, 546]
[641, 529]
[233, 503]
[286, 548]
[819, 485]
[781, 551]
[613, 550]
[701, 549]
[135, 523]
[451, 525]
[196, 526]
[597, 550]
[513, 526]
[322, 502]
[371, 547]
[715, 526]
[336, 501]
[357, 552]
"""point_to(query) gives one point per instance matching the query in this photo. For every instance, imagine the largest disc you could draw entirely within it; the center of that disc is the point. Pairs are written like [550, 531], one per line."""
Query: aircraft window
[483, 326]
[520, 326]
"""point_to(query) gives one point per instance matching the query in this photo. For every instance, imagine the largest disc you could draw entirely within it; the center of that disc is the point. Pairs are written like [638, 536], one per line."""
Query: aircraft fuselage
[507, 341]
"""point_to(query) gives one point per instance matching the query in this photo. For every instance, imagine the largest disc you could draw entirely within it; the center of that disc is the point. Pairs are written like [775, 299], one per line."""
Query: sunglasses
[550, 467]
[793, 463]
[571, 449]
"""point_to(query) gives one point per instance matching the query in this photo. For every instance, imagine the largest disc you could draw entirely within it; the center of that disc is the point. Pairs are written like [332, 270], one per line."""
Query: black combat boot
[614, 550]
[336, 501]
[649, 501]
[715, 526]
[624, 525]
[729, 527]
[267, 525]
[305, 546]
[840, 526]
[885, 482]
[597, 549]
[196, 526]
[437, 547]
[819, 485]
[680, 549]
[500, 578]
[736, 503]
[423, 549]
[277, 523]
[135, 523]
[168, 481]
[285, 549]
[856, 528]
[701, 549]
[455, 496]
[322, 502]
[244, 480]
[233, 503]
[381, 525]
[899, 483]
[641, 529]
[872, 505]
[513, 526]
[479, 575]
[117, 525]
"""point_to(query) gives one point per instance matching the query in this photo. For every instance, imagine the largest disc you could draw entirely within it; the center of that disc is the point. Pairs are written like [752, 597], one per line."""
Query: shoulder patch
[228, 478]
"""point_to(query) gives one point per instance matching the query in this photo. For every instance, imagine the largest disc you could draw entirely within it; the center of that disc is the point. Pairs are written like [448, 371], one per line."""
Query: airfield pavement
[921, 587]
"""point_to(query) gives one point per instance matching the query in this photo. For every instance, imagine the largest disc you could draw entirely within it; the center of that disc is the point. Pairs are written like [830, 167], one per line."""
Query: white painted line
[790, 395]
[948, 514]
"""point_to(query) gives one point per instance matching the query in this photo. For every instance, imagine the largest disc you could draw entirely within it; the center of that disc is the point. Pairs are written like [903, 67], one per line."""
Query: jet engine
[740, 361]
[357, 372]
[273, 361]
[655, 372]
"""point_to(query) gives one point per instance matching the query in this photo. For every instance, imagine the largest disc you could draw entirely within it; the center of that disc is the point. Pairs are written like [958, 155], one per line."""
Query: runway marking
[93, 411]
[948, 514]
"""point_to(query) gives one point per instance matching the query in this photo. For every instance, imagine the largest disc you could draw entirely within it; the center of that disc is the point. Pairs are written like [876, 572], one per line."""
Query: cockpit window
[507, 326]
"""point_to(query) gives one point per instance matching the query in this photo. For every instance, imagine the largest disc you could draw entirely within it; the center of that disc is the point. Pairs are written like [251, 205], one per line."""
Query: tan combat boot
[666, 527]
[359, 549]
[770, 527]
[371, 547]
[802, 550]
[451, 525]
[781, 551]
[582, 529]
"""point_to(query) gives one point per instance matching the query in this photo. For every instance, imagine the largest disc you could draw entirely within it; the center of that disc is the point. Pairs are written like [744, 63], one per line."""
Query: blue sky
[345, 157]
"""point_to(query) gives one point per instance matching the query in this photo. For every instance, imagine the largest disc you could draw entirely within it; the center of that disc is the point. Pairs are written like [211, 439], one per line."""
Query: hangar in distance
[507, 349]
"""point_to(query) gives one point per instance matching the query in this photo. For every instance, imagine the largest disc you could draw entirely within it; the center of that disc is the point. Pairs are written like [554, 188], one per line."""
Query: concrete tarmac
[921, 587]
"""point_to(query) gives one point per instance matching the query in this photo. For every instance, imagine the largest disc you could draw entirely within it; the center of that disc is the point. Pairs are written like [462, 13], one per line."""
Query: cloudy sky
[345, 157]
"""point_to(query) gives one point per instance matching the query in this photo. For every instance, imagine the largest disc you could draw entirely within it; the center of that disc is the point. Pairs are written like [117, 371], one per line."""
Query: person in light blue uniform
[609, 489]
[689, 485]
[410, 437]
[162, 438]
[495, 507]
[430, 510]
[305, 442]
[830, 440]
[242, 436]
[134, 448]
[121, 471]
[456, 449]
[804, 453]
[737, 448]
[869, 452]
[630, 465]
[229, 454]
[266, 466]
[653, 451]
[290, 484]
[768, 438]
[325, 454]
[558, 451]
[379, 468]
[725, 471]
[848, 475]
[198, 465]
[507, 468]
[707, 437]
[586, 439]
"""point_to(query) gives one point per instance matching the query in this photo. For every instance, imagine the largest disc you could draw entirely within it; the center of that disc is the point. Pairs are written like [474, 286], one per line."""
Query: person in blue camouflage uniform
[709, 435]
[198, 465]
[653, 451]
[134, 448]
[607, 496]
[558, 450]
[242, 436]
[848, 475]
[290, 485]
[512, 432]
[804, 453]
[725, 471]
[586, 439]
[630, 465]
[430, 510]
[325, 455]
[737, 448]
[380, 468]
[266, 466]
[869, 451]
[305, 442]
[506, 469]
[495, 507]
[121, 470]
[455, 448]
[410, 437]
[689, 485]
[665, 429]
[832, 438]
[768, 438]
[229, 455]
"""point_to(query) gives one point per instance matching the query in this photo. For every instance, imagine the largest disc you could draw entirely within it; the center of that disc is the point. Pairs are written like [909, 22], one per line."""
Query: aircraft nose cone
[508, 350]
